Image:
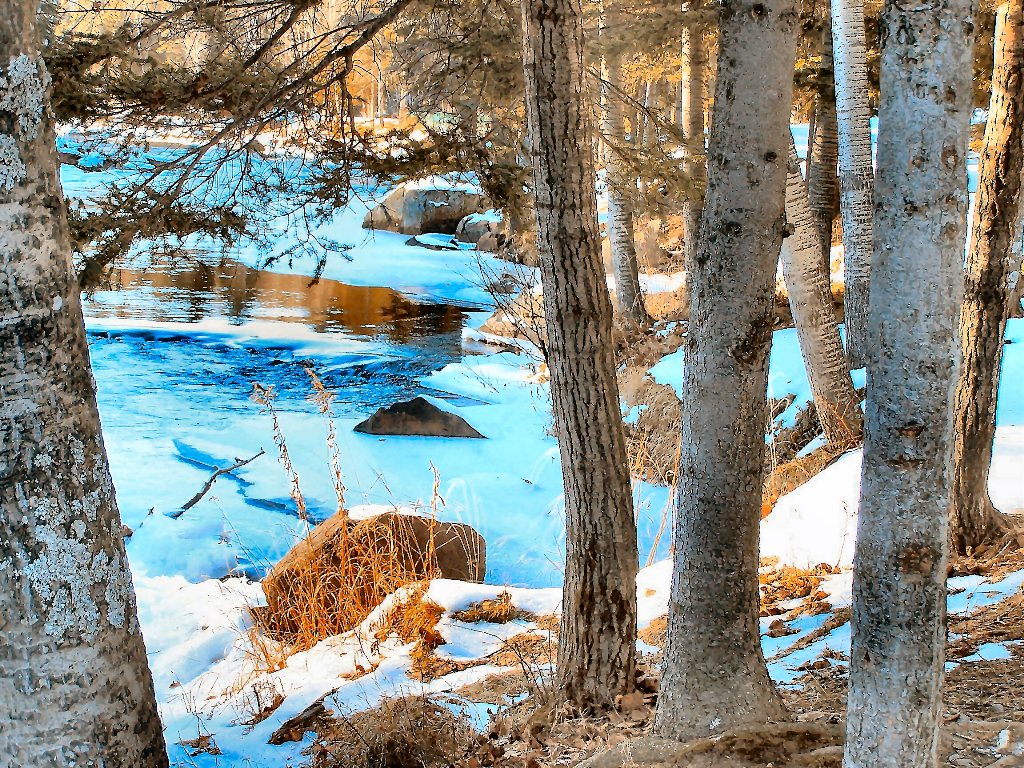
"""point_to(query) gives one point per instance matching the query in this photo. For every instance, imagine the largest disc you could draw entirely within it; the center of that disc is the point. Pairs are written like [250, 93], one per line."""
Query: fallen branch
[239, 463]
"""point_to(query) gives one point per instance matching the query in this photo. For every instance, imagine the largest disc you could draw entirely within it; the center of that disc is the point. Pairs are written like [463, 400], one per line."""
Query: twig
[239, 463]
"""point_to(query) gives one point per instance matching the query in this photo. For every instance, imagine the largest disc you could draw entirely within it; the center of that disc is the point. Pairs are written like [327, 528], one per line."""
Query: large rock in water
[346, 567]
[416, 417]
[415, 208]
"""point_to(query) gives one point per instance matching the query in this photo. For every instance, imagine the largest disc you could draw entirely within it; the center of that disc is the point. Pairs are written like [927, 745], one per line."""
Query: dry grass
[413, 732]
[339, 574]
[497, 611]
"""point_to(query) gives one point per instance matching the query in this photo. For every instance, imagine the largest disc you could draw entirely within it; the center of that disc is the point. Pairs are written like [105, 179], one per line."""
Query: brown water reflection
[195, 290]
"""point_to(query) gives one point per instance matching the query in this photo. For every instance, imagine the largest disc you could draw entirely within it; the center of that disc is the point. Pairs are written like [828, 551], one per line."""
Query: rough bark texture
[899, 588]
[1015, 291]
[715, 674]
[597, 643]
[810, 299]
[856, 175]
[691, 103]
[75, 689]
[822, 181]
[621, 191]
[986, 302]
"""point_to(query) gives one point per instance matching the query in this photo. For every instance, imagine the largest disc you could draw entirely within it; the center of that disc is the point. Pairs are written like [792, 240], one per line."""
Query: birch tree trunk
[621, 190]
[715, 674]
[694, 79]
[899, 586]
[810, 299]
[974, 519]
[823, 153]
[856, 174]
[75, 689]
[597, 642]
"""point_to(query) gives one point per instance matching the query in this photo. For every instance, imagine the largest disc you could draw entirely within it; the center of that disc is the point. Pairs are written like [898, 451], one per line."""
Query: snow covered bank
[817, 523]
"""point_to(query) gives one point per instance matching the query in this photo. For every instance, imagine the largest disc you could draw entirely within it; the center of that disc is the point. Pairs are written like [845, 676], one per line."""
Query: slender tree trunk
[974, 519]
[823, 153]
[621, 191]
[715, 675]
[74, 685]
[694, 76]
[856, 174]
[810, 299]
[597, 642]
[899, 584]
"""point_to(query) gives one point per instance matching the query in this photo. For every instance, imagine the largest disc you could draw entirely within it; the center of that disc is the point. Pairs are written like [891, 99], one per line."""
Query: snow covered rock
[418, 416]
[425, 206]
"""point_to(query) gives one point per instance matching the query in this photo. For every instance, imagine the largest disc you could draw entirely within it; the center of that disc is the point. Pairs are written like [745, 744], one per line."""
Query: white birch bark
[715, 675]
[75, 689]
[917, 282]
[856, 175]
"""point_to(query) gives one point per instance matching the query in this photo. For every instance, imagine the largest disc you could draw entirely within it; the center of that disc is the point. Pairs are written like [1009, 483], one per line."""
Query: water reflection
[189, 291]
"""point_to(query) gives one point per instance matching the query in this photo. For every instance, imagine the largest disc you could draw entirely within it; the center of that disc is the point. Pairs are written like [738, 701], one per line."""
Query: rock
[437, 242]
[416, 417]
[486, 233]
[396, 547]
[413, 208]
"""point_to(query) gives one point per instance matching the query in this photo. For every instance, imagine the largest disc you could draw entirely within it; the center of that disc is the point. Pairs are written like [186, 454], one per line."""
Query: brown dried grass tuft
[413, 732]
[333, 586]
[497, 611]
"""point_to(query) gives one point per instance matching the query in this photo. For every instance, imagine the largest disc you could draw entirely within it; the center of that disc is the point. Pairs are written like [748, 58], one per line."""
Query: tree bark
[74, 685]
[715, 674]
[856, 174]
[1016, 284]
[823, 153]
[597, 642]
[621, 191]
[810, 299]
[899, 587]
[974, 520]
[694, 78]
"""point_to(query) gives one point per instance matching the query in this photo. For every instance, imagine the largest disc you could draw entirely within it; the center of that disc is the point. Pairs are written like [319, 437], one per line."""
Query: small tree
[899, 583]
[621, 184]
[597, 642]
[856, 173]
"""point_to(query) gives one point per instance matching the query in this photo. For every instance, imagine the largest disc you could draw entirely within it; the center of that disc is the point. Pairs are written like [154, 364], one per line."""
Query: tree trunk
[694, 76]
[899, 586]
[810, 299]
[74, 685]
[597, 642]
[974, 519]
[621, 191]
[715, 675]
[823, 152]
[856, 174]
[1015, 290]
